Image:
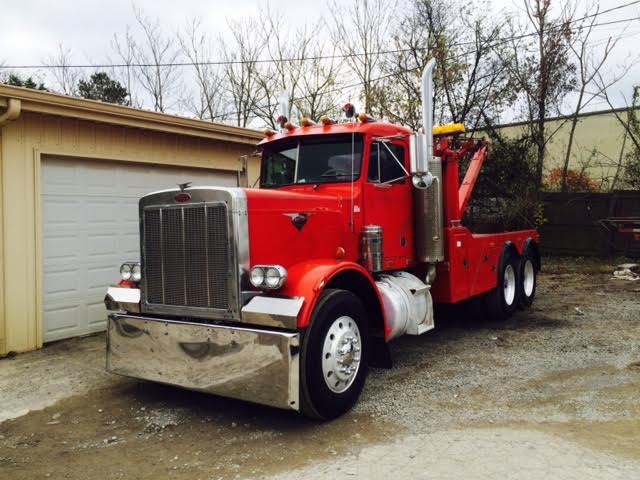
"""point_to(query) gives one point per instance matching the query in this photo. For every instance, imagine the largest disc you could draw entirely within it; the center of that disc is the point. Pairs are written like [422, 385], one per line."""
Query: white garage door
[90, 226]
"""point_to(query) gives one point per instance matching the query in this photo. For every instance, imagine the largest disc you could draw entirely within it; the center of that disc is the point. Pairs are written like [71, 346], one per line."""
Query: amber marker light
[289, 126]
[364, 118]
[267, 132]
[307, 122]
[324, 120]
[340, 253]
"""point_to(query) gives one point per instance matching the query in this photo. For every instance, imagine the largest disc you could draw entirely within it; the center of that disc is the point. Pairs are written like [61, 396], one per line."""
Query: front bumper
[256, 365]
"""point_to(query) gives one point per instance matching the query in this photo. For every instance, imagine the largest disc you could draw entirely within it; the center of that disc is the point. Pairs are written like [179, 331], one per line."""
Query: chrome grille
[187, 256]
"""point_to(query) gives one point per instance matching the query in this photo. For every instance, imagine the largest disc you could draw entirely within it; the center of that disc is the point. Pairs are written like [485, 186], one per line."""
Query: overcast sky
[32, 29]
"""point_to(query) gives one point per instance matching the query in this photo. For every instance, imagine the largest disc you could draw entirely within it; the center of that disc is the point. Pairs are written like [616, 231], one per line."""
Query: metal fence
[591, 224]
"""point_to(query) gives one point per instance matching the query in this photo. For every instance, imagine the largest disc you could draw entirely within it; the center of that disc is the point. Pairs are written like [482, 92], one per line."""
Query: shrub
[576, 181]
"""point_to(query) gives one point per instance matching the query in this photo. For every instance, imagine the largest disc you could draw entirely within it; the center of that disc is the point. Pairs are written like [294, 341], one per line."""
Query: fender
[309, 279]
[531, 245]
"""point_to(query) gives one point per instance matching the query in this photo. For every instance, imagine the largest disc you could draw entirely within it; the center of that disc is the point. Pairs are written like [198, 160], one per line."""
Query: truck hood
[288, 227]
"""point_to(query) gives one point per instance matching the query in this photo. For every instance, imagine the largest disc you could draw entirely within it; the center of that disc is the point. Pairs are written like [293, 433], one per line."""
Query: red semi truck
[285, 294]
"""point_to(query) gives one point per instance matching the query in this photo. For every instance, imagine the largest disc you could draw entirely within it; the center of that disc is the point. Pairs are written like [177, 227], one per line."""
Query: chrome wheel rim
[341, 354]
[528, 280]
[509, 285]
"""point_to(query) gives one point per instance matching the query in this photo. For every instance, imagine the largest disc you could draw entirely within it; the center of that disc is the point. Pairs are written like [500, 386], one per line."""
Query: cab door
[388, 200]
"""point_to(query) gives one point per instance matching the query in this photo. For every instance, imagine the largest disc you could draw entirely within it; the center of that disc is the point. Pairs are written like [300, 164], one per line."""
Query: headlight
[257, 277]
[131, 271]
[125, 271]
[268, 276]
[136, 273]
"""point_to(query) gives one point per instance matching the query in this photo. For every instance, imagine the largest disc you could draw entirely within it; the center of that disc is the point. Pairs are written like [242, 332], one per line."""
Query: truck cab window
[382, 166]
[309, 160]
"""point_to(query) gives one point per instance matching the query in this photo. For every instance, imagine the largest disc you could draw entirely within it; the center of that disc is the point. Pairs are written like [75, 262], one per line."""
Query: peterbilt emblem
[298, 220]
[183, 196]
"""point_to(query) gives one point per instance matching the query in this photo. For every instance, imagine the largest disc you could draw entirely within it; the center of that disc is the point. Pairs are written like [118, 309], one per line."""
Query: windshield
[314, 160]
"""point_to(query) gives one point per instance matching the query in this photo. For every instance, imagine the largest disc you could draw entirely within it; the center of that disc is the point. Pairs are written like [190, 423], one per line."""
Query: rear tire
[527, 280]
[501, 302]
[334, 356]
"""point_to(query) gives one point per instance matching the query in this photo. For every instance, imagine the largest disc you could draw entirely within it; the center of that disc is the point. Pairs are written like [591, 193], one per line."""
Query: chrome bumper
[260, 366]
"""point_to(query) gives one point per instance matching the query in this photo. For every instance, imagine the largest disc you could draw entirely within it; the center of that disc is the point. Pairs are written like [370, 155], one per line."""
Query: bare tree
[241, 70]
[589, 65]
[630, 122]
[65, 75]
[155, 57]
[361, 32]
[541, 69]
[319, 82]
[209, 103]
[298, 68]
[125, 54]
[397, 93]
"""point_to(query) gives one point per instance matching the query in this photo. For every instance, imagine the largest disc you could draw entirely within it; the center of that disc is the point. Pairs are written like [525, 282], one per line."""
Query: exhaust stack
[422, 143]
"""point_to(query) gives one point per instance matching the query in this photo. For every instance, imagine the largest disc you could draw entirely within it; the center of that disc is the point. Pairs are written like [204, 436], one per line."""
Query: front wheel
[334, 357]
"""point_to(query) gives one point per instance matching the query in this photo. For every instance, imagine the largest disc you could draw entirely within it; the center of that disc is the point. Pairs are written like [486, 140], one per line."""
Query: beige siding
[22, 144]
[598, 144]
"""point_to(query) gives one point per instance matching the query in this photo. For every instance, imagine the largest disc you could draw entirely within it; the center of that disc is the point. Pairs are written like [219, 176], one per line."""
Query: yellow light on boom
[451, 129]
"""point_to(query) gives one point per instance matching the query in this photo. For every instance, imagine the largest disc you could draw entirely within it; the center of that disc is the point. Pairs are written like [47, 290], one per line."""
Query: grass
[585, 265]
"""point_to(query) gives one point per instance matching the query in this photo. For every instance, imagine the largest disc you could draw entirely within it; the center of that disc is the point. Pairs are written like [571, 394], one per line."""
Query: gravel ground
[553, 391]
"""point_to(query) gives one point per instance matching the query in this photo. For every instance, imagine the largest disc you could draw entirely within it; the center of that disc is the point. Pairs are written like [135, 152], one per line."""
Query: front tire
[334, 356]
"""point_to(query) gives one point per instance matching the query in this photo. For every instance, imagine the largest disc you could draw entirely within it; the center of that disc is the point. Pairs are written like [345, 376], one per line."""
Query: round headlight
[136, 273]
[125, 271]
[257, 276]
[272, 278]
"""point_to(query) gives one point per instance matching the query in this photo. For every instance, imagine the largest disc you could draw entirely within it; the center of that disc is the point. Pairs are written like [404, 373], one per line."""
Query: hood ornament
[298, 220]
[182, 186]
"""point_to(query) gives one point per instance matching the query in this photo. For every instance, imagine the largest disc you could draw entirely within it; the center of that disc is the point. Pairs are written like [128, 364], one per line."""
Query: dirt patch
[156, 431]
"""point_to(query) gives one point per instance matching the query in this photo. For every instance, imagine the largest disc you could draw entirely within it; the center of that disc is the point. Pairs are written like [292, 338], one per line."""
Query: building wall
[22, 143]
[600, 144]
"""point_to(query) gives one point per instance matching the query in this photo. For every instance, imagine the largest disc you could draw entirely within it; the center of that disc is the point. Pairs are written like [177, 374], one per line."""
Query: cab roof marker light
[290, 126]
[366, 118]
[325, 120]
[267, 132]
[307, 122]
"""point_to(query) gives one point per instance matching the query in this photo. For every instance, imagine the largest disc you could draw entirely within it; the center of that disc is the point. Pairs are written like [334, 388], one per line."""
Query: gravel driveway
[553, 392]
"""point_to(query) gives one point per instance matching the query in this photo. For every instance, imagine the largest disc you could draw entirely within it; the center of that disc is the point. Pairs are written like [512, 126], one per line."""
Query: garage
[71, 173]
[90, 226]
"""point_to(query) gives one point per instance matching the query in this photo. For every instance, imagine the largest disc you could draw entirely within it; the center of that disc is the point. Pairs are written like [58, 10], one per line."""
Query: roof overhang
[94, 111]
